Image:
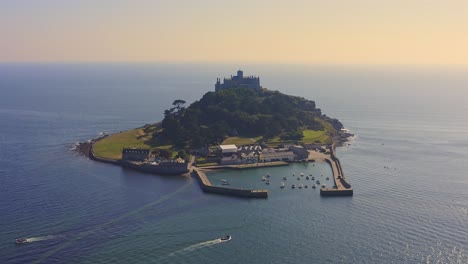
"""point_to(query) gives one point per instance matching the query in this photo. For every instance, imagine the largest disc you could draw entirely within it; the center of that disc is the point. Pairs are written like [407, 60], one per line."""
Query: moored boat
[293, 186]
[282, 185]
[314, 186]
[301, 185]
[224, 182]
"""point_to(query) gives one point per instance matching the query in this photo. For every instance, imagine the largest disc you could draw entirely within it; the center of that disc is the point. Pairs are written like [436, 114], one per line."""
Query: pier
[206, 186]
[343, 188]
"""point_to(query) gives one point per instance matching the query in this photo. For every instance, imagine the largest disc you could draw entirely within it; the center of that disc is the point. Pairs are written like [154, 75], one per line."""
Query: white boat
[224, 182]
[226, 238]
[263, 178]
[21, 240]
[323, 185]
[314, 186]
[302, 174]
[282, 185]
[300, 186]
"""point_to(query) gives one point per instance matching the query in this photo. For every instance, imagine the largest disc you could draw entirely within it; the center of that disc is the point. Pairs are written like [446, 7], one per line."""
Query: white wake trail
[197, 246]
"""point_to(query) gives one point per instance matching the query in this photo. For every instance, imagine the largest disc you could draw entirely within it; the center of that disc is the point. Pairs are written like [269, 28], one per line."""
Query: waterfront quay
[206, 186]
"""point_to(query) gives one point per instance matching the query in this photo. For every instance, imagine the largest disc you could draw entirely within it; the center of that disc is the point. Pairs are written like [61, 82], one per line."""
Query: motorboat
[284, 178]
[310, 174]
[302, 174]
[306, 186]
[21, 240]
[226, 238]
[307, 177]
[282, 184]
[268, 175]
[313, 178]
[317, 182]
[328, 178]
[314, 186]
[298, 178]
[293, 186]
[300, 186]
[267, 182]
[224, 182]
[263, 178]
[323, 185]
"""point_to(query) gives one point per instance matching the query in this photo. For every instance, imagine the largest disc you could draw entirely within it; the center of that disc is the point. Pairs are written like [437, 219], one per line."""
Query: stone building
[135, 154]
[238, 81]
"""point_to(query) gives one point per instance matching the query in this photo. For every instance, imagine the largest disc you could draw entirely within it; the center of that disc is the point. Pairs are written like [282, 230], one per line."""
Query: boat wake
[37, 239]
[197, 246]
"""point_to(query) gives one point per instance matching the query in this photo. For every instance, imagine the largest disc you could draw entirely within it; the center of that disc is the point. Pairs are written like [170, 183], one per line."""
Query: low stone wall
[206, 186]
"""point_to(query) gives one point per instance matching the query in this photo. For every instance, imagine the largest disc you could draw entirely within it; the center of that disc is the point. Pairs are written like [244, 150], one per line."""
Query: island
[239, 125]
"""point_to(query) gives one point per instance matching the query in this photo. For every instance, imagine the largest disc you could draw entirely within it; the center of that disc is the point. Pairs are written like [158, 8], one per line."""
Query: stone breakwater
[342, 187]
[206, 186]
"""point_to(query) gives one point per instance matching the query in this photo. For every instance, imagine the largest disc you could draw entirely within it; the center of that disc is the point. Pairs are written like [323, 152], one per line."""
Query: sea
[407, 164]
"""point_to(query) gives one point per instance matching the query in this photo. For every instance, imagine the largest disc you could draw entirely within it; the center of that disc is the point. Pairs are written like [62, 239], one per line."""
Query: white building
[227, 149]
[274, 155]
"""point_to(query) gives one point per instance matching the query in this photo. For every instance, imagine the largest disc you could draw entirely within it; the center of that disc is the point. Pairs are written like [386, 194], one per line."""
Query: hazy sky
[289, 31]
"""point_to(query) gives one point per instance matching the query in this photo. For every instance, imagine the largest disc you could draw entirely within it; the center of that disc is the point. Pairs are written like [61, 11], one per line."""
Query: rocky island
[239, 125]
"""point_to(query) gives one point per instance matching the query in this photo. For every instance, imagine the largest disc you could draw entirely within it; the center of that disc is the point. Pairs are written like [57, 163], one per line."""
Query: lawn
[312, 136]
[111, 146]
[239, 141]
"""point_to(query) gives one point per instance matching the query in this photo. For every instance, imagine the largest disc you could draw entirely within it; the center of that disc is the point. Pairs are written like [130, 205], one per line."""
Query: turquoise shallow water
[407, 166]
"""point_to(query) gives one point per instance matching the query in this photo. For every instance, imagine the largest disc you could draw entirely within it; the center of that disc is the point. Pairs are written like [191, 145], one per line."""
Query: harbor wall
[206, 186]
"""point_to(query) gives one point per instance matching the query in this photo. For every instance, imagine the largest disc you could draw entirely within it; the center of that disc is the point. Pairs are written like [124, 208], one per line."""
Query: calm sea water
[407, 164]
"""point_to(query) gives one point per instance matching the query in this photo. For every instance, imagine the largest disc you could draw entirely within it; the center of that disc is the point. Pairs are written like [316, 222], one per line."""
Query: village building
[269, 155]
[227, 150]
[135, 154]
[300, 152]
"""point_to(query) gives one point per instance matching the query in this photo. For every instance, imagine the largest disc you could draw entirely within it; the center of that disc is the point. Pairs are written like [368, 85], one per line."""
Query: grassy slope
[111, 147]
[239, 141]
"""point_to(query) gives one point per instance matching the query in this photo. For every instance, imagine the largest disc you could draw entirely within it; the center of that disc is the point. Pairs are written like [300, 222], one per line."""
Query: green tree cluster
[238, 111]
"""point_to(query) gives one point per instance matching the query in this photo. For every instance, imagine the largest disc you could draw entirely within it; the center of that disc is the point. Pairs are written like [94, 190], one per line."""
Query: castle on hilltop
[238, 81]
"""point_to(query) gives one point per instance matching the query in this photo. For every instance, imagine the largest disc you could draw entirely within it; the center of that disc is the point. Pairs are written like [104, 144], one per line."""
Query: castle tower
[240, 74]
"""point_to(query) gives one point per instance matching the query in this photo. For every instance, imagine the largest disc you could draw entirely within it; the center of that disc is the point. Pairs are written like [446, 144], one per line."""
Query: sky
[421, 32]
